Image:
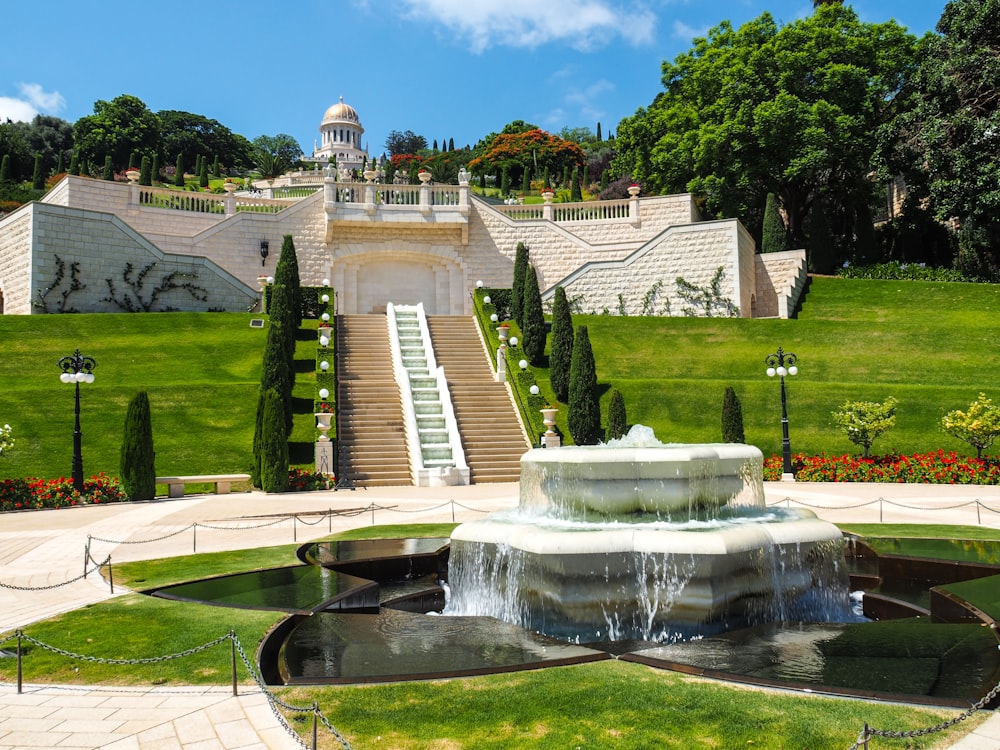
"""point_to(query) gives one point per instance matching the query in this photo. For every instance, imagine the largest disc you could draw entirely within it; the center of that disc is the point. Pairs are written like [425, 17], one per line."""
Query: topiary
[533, 325]
[137, 465]
[774, 238]
[732, 418]
[584, 419]
[179, 174]
[517, 284]
[273, 444]
[617, 420]
[561, 345]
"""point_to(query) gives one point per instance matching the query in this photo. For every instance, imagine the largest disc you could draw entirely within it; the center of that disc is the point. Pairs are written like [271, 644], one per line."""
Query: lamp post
[77, 369]
[782, 363]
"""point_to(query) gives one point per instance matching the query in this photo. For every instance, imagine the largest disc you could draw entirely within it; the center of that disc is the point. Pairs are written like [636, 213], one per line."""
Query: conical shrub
[137, 466]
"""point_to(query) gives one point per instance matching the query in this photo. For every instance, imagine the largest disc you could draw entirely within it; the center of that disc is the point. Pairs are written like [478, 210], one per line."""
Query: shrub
[896, 271]
[300, 480]
[138, 473]
[533, 325]
[979, 426]
[584, 419]
[732, 418]
[561, 346]
[863, 421]
[179, 173]
[617, 420]
[774, 237]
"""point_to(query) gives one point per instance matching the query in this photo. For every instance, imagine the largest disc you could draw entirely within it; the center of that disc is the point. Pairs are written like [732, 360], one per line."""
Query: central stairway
[371, 435]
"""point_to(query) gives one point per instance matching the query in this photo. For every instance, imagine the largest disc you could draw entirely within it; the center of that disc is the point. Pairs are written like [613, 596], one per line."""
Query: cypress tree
[137, 466]
[203, 174]
[74, 164]
[145, 172]
[517, 285]
[179, 176]
[732, 418]
[84, 166]
[59, 162]
[565, 177]
[526, 181]
[282, 330]
[604, 180]
[561, 346]
[38, 176]
[109, 170]
[154, 172]
[584, 418]
[599, 139]
[216, 168]
[5, 168]
[585, 176]
[505, 181]
[273, 444]
[287, 272]
[546, 179]
[576, 192]
[258, 431]
[132, 159]
[617, 420]
[774, 238]
[533, 327]
[451, 144]
[821, 254]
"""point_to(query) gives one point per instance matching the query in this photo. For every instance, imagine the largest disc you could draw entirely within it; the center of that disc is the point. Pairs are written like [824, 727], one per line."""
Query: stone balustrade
[202, 203]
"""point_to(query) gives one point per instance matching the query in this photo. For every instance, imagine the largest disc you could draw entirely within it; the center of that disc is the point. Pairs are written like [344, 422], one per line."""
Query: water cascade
[640, 540]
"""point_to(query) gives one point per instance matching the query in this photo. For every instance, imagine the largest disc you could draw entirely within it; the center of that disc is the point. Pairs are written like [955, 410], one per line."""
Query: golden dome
[341, 112]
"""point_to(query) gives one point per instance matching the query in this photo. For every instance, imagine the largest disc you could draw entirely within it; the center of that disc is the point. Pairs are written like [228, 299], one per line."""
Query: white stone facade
[428, 246]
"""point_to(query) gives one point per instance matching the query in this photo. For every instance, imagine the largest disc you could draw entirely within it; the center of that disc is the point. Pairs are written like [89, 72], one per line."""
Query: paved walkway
[46, 548]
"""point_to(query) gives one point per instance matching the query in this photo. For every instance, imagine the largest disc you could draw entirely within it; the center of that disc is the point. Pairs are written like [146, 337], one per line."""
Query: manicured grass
[984, 593]
[921, 531]
[928, 344]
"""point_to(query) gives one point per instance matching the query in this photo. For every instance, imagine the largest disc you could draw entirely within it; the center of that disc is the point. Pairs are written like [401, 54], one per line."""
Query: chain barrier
[273, 700]
[96, 568]
[868, 732]
[979, 504]
[141, 541]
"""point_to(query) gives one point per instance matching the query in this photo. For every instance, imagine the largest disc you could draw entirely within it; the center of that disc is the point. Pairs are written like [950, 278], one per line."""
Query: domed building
[341, 132]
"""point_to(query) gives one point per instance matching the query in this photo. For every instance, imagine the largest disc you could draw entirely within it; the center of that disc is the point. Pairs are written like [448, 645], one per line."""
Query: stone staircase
[370, 435]
[490, 429]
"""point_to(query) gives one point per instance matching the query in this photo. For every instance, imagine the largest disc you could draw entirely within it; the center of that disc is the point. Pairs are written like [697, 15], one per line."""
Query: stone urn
[550, 439]
[229, 187]
[133, 175]
[323, 424]
[633, 190]
[548, 195]
[424, 177]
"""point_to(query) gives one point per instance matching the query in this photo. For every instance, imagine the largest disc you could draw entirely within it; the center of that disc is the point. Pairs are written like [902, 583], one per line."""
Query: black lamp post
[77, 369]
[782, 363]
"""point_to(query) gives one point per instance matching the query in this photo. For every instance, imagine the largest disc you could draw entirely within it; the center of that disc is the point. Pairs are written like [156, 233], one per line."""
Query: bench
[222, 482]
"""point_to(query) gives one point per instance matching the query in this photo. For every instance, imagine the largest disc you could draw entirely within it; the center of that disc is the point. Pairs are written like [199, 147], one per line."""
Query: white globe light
[81, 377]
[494, 317]
[534, 390]
[523, 364]
[793, 370]
[770, 372]
[324, 341]
[325, 298]
[479, 284]
[326, 282]
[324, 394]
[782, 371]
[270, 279]
[66, 377]
[324, 365]
[90, 377]
[513, 340]
[325, 317]
[487, 299]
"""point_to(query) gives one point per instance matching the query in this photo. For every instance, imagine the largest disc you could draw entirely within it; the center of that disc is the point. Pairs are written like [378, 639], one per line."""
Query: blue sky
[442, 68]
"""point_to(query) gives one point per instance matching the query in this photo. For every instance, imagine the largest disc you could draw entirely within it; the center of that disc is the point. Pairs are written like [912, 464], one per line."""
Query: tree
[617, 420]
[15, 146]
[576, 191]
[179, 173]
[561, 346]
[789, 110]
[145, 172]
[822, 254]
[732, 418]
[286, 298]
[109, 169]
[203, 174]
[521, 261]
[947, 142]
[979, 426]
[276, 374]
[863, 421]
[773, 236]
[533, 325]
[116, 129]
[273, 155]
[74, 164]
[531, 150]
[187, 133]
[5, 169]
[273, 449]
[52, 137]
[584, 419]
[38, 176]
[407, 142]
[137, 465]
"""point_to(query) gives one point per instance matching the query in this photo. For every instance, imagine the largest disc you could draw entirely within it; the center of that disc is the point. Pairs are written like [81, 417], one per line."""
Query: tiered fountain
[638, 540]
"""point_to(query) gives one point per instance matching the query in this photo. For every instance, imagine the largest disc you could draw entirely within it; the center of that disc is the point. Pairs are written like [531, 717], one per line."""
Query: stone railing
[203, 203]
[295, 191]
[398, 195]
[568, 213]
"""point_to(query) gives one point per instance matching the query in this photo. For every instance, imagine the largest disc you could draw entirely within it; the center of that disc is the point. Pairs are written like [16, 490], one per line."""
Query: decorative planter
[323, 424]
[547, 196]
[133, 175]
[230, 187]
[369, 175]
[424, 176]
[633, 190]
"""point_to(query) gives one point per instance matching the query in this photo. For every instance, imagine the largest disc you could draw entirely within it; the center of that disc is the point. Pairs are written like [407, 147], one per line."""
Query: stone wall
[15, 262]
[781, 279]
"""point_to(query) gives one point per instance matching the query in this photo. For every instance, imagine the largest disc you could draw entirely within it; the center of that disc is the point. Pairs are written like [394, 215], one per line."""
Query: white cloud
[583, 24]
[589, 101]
[33, 100]
[688, 33]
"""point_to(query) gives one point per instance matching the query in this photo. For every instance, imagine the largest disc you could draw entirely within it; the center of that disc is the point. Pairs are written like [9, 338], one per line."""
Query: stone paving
[46, 549]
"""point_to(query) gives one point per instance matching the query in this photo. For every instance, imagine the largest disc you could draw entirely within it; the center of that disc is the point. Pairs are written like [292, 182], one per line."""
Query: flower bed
[34, 494]
[306, 481]
[940, 467]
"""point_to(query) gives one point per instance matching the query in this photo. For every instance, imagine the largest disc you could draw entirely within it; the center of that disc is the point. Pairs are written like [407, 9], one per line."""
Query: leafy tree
[584, 419]
[407, 142]
[116, 129]
[273, 155]
[947, 143]
[561, 345]
[38, 176]
[773, 236]
[789, 110]
[52, 137]
[521, 261]
[617, 419]
[979, 426]
[137, 465]
[732, 418]
[822, 254]
[533, 325]
[530, 150]
[863, 421]
[14, 145]
[179, 174]
[273, 449]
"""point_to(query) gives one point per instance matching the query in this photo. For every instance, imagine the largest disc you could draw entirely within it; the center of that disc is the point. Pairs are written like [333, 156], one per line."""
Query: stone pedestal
[324, 457]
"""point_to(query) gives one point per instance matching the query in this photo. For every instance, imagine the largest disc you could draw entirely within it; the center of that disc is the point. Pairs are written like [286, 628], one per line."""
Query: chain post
[979, 513]
[865, 741]
[111, 575]
[19, 680]
[453, 511]
[372, 506]
[880, 505]
[295, 529]
[86, 555]
[315, 722]
[232, 651]
[194, 538]
[329, 520]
